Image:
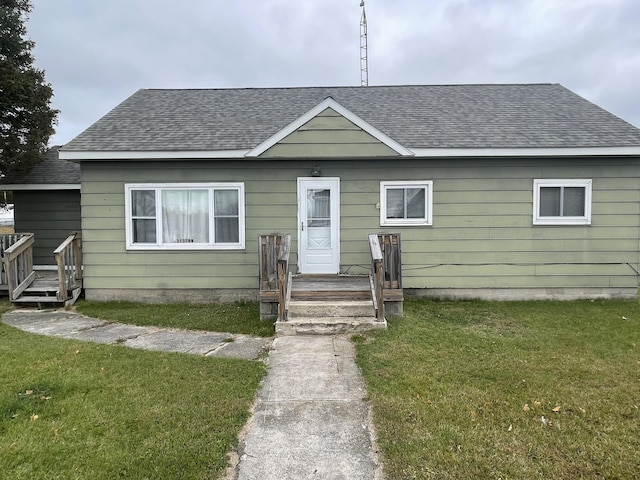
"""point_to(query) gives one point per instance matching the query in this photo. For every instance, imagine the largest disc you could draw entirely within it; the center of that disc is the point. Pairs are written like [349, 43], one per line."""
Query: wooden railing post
[379, 279]
[77, 255]
[378, 275]
[283, 276]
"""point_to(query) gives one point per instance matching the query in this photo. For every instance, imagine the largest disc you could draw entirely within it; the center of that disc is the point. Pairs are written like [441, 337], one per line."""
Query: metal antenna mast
[364, 60]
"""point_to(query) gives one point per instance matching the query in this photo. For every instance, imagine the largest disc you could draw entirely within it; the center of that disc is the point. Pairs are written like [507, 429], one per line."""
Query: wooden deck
[345, 287]
[42, 292]
[331, 287]
[24, 285]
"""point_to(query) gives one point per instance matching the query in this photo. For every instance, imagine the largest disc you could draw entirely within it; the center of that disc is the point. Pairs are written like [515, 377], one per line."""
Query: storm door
[319, 225]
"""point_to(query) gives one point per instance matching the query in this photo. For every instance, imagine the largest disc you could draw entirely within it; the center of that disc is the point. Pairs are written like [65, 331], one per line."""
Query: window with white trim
[406, 203]
[562, 202]
[184, 216]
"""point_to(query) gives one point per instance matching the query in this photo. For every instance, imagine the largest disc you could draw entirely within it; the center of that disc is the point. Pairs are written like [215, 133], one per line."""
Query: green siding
[51, 215]
[329, 135]
[482, 234]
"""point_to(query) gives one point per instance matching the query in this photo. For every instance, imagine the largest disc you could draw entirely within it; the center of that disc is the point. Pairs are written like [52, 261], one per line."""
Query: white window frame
[560, 220]
[406, 222]
[158, 188]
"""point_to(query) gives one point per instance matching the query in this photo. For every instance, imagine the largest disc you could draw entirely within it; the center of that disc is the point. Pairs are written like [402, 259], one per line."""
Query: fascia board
[40, 186]
[76, 156]
[527, 152]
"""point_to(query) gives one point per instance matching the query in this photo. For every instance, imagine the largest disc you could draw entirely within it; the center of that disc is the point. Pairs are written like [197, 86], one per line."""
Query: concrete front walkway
[72, 325]
[311, 420]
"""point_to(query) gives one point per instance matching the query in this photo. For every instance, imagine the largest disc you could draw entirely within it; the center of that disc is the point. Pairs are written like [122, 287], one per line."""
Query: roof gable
[311, 121]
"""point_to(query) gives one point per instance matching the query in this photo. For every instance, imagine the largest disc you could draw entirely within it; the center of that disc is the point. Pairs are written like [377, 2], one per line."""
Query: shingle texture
[427, 116]
[52, 170]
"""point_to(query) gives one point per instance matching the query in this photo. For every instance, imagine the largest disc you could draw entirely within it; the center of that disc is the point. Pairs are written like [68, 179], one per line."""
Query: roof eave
[39, 186]
[77, 156]
[528, 152]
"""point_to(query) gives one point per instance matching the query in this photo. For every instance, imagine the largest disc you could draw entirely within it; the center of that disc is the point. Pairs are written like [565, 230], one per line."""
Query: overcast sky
[96, 53]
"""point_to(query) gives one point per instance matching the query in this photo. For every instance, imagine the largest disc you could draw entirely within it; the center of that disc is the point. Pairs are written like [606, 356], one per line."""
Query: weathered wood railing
[275, 278]
[69, 262]
[17, 263]
[284, 278]
[377, 276]
[386, 277]
[6, 240]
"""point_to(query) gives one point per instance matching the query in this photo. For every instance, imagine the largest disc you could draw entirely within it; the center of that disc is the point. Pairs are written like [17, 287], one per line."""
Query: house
[46, 203]
[496, 191]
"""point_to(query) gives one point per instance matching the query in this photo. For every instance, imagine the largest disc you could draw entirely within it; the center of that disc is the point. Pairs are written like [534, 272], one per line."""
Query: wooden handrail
[268, 250]
[378, 275]
[392, 260]
[274, 250]
[18, 265]
[283, 276]
[69, 262]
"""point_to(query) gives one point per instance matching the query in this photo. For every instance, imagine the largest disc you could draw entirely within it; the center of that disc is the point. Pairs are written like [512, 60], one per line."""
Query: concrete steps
[329, 317]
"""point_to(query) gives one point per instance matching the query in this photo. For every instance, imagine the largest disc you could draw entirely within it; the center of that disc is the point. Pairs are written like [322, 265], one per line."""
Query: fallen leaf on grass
[34, 417]
[555, 409]
[526, 407]
[510, 428]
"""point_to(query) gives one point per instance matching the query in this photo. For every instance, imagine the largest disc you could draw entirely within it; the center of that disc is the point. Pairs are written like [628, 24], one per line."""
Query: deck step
[328, 325]
[331, 295]
[38, 299]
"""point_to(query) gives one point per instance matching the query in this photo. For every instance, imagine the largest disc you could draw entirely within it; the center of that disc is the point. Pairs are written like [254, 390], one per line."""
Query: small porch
[43, 288]
[330, 304]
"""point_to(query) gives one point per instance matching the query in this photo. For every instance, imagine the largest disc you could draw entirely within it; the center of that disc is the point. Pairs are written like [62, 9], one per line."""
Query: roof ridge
[317, 87]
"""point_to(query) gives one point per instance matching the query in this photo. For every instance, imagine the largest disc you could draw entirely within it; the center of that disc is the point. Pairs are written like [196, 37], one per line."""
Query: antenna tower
[364, 60]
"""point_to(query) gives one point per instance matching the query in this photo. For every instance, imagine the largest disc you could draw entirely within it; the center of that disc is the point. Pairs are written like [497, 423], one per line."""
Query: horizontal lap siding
[482, 234]
[270, 200]
[51, 215]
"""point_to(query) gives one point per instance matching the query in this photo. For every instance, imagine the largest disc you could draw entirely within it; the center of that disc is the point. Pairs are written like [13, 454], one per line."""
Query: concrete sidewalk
[71, 325]
[311, 420]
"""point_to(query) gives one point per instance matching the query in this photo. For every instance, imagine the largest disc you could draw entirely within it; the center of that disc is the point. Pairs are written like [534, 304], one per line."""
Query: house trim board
[41, 186]
[76, 156]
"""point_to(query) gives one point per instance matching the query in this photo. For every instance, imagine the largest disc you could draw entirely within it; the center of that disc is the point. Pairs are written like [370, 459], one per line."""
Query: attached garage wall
[51, 215]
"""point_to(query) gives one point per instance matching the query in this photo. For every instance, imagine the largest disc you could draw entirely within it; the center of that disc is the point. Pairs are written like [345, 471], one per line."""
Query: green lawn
[240, 317]
[515, 390]
[460, 390]
[76, 410]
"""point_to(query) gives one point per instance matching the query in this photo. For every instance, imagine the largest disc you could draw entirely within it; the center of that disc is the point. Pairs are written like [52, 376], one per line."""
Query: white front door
[319, 225]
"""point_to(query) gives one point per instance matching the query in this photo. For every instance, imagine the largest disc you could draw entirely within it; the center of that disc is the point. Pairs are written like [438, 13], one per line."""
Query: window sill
[421, 223]
[182, 248]
[562, 221]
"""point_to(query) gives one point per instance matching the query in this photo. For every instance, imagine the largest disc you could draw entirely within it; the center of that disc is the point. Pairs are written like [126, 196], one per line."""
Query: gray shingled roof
[51, 171]
[428, 116]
